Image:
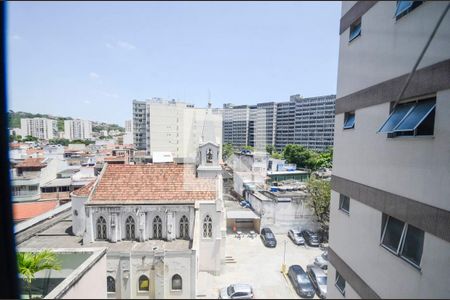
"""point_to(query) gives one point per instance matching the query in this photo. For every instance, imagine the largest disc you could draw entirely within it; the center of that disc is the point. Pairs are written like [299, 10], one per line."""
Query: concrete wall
[388, 48]
[92, 285]
[392, 277]
[366, 157]
[282, 216]
[333, 292]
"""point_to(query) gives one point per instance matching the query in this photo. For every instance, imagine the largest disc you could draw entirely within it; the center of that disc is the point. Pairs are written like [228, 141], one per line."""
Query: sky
[91, 59]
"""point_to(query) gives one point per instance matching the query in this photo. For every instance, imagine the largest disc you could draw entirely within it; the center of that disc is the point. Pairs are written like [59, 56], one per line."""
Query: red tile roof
[114, 158]
[85, 190]
[153, 183]
[28, 210]
[31, 162]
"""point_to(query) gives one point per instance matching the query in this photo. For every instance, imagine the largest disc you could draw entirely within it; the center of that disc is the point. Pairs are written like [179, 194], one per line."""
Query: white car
[322, 261]
[296, 236]
[236, 291]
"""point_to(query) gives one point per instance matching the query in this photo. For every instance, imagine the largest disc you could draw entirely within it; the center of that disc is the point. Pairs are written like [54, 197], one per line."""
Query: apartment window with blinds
[405, 7]
[403, 240]
[355, 30]
[340, 283]
[411, 119]
[344, 203]
[349, 120]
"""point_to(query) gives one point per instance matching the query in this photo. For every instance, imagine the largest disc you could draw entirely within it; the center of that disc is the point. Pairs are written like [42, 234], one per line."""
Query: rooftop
[28, 210]
[31, 162]
[85, 190]
[160, 183]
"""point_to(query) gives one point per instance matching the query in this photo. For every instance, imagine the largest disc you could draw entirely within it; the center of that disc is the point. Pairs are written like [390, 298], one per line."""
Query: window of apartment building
[344, 203]
[340, 283]
[349, 120]
[405, 7]
[355, 30]
[111, 284]
[411, 119]
[403, 240]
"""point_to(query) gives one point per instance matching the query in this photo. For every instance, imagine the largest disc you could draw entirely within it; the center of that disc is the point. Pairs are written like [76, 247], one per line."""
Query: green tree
[31, 263]
[277, 155]
[297, 154]
[227, 151]
[30, 138]
[86, 142]
[57, 141]
[270, 149]
[248, 148]
[319, 200]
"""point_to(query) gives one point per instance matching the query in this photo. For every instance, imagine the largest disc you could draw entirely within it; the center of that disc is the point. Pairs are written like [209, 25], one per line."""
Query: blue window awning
[349, 122]
[416, 116]
[402, 6]
[355, 31]
[407, 117]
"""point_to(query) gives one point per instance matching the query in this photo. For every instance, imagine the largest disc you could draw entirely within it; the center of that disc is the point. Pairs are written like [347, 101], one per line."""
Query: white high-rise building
[390, 210]
[129, 126]
[77, 129]
[41, 128]
[176, 127]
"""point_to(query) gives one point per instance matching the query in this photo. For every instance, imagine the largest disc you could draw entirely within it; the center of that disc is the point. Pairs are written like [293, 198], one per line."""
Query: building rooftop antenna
[206, 115]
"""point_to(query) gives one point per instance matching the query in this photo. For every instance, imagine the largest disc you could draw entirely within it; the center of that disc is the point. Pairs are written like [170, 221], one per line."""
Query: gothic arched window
[184, 228]
[144, 283]
[101, 228]
[209, 156]
[130, 228]
[177, 282]
[157, 228]
[207, 227]
[111, 284]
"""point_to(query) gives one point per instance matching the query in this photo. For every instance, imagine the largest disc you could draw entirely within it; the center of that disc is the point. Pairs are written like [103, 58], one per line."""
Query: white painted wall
[92, 285]
[356, 239]
[413, 167]
[388, 48]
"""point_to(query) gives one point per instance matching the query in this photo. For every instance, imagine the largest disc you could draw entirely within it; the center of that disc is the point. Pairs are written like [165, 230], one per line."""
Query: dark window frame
[355, 30]
[401, 243]
[342, 199]
[336, 283]
[349, 120]
[404, 12]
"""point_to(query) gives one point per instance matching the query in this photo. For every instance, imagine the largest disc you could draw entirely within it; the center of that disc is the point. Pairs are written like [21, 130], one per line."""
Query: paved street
[258, 266]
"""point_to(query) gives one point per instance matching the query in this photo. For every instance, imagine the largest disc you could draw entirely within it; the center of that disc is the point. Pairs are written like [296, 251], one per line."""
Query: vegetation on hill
[14, 121]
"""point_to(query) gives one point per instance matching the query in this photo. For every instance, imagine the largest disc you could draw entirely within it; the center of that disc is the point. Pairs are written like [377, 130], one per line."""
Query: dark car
[311, 238]
[268, 238]
[300, 281]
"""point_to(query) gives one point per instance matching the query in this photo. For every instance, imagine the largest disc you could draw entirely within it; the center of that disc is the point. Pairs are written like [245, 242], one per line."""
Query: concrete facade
[177, 127]
[77, 129]
[411, 171]
[41, 128]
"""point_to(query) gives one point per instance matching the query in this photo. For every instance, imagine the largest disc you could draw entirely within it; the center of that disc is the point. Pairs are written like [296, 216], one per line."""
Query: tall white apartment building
[41, 128]
[177, 127]
[77, 129]
[128, 126]
[390, 208]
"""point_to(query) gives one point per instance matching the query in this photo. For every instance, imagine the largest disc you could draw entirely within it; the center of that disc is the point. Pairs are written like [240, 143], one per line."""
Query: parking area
[249, 261]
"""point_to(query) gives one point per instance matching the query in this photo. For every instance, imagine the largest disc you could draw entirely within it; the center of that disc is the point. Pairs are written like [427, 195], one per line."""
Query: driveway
[249, 261]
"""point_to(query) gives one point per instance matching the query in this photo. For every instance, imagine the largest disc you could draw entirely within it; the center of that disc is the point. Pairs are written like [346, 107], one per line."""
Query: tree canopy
[319, 200]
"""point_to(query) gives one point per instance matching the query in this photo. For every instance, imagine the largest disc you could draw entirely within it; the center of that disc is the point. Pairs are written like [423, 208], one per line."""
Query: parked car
[236, 291]
[311, 238]
[268, 238]
[300, 282]
[245, 204]
[318, 279]
[296, 236]
[322, 261]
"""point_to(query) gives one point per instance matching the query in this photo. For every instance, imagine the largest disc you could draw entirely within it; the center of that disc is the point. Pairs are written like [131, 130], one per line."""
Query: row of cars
[309, 237]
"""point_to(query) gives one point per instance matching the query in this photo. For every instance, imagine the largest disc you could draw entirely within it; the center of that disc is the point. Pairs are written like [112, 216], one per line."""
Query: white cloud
[16, 37]
[126, 45]
[108, 45]
[87, 102]
[94, 75]
[110, 95]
